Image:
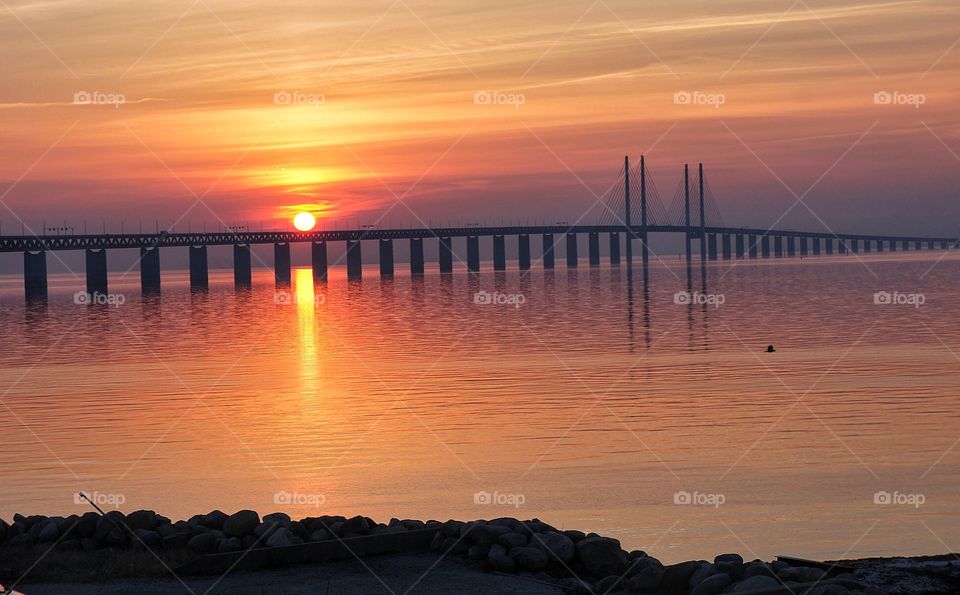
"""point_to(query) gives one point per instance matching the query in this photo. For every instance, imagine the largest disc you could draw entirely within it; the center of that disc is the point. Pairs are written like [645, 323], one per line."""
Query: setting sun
[304, 221]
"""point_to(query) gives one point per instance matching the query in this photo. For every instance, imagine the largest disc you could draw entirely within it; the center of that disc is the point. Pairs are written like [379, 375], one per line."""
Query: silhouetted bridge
[685, 216]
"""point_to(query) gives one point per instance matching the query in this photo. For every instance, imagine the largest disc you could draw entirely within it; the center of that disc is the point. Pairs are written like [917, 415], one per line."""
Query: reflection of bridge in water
[692, 212]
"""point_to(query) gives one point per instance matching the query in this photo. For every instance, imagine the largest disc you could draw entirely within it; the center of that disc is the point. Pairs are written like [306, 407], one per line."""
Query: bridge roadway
[714, 243]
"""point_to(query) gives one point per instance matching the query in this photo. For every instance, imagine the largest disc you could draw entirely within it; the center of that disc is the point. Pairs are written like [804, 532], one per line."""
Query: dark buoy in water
[770, 349]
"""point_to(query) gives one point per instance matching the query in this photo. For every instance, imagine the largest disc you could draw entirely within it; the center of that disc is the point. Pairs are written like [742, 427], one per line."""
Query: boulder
[648, 578]
[205, 543]
[757, 568]
[320, 535]
[676, 577]
[478, 552]
[704, 570]
[452, 528]
[509, 540]
[559, 547]
[229, 544]
[756, 583]
[22, 540]
[48, 532]
[358, 525]
[712, 585]
[87, 525]
[241, 523]
[176, 540]
[283, 537]
[499, 560]
[214, 519]
[529, 558]
[731, 564]
[148, 538]
[142, 519]
[574, 535]
[485, 534]
[601, 556]
[611, 583]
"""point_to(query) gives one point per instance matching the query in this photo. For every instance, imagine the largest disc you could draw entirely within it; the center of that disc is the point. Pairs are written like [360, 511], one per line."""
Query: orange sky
[260, 109]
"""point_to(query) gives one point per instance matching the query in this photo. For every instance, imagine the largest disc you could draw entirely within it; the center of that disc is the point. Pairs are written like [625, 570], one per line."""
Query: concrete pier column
[499, 253]
[879, 245]
[866, 245]
[803, 245]
[318, 258]
[816, 246]
[614, 248]
[593, 248]
[281, 263]
[523, 251]
[446, 255]
[943, 245]
[725, 246]
[739, 246]
[905, 245]
[765, 246]
[242, 276]
[386, 258]
[753, 245]
[791, 246]
[855, 246]
[149, 269]
[892, 245]
[473, 254]
[96, 261]
[828, 242]
[842, 245]
[571, 251]
[35, 275]
[778, 246]
[548, 251]
[416, 256]
[711, 245]
[198, 267]
[354, 260]
[918, 245]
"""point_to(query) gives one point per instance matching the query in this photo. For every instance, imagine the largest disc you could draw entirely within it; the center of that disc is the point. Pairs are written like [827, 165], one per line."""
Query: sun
[304, 221]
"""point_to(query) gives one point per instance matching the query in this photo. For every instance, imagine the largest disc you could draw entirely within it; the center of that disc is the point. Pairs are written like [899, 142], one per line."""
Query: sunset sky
[242, 111]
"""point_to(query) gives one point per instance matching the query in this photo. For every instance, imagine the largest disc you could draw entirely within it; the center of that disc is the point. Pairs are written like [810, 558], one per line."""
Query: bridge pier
[765, 246]
[752, 241]
[548, 251]
[892, 245]
[35, 275]
[614, 249]
[791, 246]
[593, 248]
[446, 255]
[905, 245]
[281, 263]
[739, 246]
[725, 246]
[918, 245]
[842, 245]
[354, 260]
[778, 246]
[879, 245]
[943, 245]
[711, 245]
[386, 257]
[242, 276]
[828, 243]
[473, 254]
[96, 265]
[499, 253]
[866, 245]
[855, 246]
[523, 251]
[571, 250]
[803, 246]
[318, 258]
[198, 267]
[150, 269]
[416, 256]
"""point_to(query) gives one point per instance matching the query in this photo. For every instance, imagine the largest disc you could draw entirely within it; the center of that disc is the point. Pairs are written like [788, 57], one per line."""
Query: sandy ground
[398, 574]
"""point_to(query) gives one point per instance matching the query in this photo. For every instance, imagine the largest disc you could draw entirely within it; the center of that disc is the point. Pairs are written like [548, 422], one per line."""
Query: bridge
[687, 214]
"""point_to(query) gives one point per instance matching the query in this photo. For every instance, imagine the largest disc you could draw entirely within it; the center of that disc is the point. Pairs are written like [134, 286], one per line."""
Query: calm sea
[640, 406]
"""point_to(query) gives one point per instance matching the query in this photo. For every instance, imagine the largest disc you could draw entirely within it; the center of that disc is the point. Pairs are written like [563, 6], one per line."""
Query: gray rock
[478, 552]
[320, 535]
[648, 578]
[214, 519]
[282, 537]
[757, 569]
[558, 546]
[280, 519]
[205, 543]
[756, 583]
[601, 556]
[611, 583]
[509, 540]
[142, 519]
[704, 570]
[146, 537]
[712, 585]
[529, 558]
[87, 525]
[574, 535]
[48, 532]
[499, 560]
[241, 523]
[229, 544]
[22, 540]
[452, 528]
[485, 534]
[358, 525]
[176, 540]
[736, 558]
[676, 577]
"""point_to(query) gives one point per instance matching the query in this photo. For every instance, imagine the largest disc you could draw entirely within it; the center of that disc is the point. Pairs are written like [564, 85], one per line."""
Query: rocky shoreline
[572, 560]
